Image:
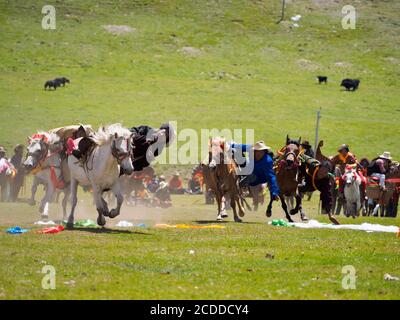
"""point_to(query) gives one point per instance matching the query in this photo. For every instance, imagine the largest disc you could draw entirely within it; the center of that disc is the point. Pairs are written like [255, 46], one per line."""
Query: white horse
[352, 191]
[111, 152]
[43, 160]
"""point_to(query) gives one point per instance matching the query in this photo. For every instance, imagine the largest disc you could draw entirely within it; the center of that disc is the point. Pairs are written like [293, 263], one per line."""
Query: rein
[121, 156]
[313, 175]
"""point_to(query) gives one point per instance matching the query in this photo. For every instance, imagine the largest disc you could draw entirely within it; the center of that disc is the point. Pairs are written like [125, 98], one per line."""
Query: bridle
[42, 158]
[290, 152]
[121, 156]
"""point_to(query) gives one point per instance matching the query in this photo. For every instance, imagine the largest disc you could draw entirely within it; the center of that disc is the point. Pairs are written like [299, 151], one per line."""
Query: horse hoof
[238, 220]
[113, 213]
[304, 218]
[70, 225]
[223, 214]
[293, 212]
[101, 221]
[268, 213]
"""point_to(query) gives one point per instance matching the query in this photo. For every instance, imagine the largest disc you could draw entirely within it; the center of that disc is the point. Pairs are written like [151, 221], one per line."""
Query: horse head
[37, 150]
[292, 150]
[350, 176]
[216, 151]
[121, 148]
[293, 141]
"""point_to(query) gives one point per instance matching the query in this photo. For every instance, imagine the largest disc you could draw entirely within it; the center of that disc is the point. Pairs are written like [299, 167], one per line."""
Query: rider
[308, 150]
[261, 157]
[148, 143]
[379, 167]
[344, 157]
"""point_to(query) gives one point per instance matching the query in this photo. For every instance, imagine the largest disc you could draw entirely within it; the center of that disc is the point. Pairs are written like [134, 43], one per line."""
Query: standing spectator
[17, 162]
[175, 185]
[5, 168]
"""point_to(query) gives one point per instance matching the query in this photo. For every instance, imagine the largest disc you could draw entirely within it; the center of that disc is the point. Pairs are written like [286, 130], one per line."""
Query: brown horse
[221, 177]
[317, 176]
[382, 198]
[286, 170]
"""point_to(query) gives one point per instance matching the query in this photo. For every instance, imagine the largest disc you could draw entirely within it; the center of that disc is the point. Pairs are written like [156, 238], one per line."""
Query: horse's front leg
[233, 205]
[34, 187]
[326, 199]
[101, 206]
[222, 210]
[67, 192]
[268, 212]
[284, 207]
[44, 203]
[296, 208]
[120, 198]
[74, 201]
[220, 199]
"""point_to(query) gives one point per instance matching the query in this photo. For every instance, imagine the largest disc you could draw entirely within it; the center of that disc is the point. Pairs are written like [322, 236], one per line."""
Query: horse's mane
[49, 137]
[104, 134]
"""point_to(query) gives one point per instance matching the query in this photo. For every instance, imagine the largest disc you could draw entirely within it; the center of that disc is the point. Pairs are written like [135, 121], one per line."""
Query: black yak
[62, 81]
[322, 79]
[51, 84]
[350, 84]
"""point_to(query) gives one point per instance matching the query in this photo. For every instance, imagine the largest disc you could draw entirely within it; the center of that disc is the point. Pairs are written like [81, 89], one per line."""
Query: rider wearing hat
[379, 167]
[262, 166]
[308, 150]
[341, 160]
[344, 157]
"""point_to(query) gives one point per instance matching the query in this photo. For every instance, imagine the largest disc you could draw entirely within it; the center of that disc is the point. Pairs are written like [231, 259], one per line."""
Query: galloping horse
[110, 152]
[221, 177]
[287, 177]
[43, 160]
[317, 176]
[352, 190]
[383, 197]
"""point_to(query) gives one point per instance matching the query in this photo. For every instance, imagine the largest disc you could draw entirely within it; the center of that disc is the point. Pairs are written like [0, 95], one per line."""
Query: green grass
[230, 263]
[142, 78]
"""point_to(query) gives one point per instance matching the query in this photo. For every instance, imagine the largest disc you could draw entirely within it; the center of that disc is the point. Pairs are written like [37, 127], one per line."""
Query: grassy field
[251, 260]
[242, 70]
[143, 78]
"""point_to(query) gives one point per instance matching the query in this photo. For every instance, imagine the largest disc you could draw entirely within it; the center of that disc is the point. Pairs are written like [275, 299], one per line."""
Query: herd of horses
[297, 175]
[53, 165]
[52, 162]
